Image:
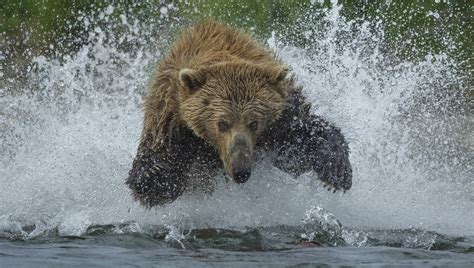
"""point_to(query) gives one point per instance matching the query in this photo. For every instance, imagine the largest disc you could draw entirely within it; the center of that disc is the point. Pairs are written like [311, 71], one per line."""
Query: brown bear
[219, 100]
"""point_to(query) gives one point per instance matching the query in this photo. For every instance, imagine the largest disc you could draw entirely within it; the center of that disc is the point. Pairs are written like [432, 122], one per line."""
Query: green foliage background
[46, 27]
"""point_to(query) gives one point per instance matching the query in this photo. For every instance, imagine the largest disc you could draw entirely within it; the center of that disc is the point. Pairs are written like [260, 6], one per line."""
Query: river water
[70, 127]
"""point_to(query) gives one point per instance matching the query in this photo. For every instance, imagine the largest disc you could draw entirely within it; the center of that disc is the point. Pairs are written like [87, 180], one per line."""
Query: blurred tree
[412, 29]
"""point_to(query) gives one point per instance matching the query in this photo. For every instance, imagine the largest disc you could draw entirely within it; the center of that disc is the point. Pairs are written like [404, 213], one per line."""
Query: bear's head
[230, 105]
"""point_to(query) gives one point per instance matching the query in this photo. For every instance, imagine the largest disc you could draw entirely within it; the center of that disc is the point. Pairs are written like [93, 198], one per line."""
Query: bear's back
[210, 43]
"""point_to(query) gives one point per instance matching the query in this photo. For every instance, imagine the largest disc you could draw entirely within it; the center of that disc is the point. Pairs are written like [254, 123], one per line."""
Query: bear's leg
[300, 142]
[159, 176]
[156, 177]
[202, 176]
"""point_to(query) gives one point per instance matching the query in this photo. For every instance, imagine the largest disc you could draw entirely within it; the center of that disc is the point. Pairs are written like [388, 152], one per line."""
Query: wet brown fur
[218, 73]
[219, 51]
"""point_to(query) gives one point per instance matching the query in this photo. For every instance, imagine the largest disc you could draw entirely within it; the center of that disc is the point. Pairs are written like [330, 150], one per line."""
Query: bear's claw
[151, 183]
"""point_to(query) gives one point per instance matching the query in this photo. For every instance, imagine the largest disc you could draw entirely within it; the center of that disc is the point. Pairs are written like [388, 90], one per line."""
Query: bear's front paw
[336, 173]
[154, 183]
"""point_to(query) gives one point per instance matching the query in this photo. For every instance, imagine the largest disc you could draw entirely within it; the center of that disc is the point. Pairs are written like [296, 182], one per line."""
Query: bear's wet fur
[218, 100]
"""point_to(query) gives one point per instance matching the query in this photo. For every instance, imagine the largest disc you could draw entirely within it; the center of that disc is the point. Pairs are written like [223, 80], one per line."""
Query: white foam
[68, 148]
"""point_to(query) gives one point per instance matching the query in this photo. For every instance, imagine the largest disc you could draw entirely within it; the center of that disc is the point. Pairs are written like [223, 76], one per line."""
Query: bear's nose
[241, 167]
[241, 176]
[242, 158]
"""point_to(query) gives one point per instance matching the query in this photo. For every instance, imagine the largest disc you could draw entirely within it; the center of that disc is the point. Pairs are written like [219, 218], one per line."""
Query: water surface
[70, 127]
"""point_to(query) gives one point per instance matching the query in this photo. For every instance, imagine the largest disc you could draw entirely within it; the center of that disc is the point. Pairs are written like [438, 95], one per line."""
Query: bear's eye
[253, 126]
[223, 126]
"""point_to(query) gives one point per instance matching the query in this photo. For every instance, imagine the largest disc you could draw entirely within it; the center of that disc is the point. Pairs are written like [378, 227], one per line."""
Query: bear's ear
[191, 79]
[279, 74]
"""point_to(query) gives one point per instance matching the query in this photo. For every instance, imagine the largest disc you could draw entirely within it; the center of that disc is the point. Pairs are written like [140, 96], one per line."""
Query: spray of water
[69, 133]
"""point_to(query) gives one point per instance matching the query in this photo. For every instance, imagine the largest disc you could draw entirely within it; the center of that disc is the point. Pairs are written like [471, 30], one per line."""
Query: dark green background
[56, 27]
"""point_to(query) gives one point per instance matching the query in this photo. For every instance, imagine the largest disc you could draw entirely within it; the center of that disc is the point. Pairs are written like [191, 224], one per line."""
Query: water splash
[322, 226]
[410, 152]
[70, 128]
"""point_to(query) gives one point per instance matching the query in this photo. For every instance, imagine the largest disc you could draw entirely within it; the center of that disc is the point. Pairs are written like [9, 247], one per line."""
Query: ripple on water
[69, 132]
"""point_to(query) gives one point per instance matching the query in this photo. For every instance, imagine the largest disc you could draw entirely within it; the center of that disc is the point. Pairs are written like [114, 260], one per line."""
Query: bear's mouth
[238, 162]
[242, 177]
[239, 167]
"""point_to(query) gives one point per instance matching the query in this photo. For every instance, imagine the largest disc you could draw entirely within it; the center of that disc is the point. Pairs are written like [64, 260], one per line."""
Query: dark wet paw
[154, 183]
[336, 174]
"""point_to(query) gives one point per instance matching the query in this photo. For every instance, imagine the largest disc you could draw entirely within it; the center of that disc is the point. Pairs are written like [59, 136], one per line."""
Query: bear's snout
[241, 176]
[241, 159]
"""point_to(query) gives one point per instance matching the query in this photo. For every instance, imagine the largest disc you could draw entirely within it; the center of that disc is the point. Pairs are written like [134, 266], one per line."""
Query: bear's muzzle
[241, 158]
